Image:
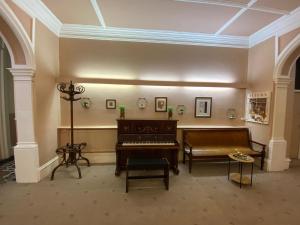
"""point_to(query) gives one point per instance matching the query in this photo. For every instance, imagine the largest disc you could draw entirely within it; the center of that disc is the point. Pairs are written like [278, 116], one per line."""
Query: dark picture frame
[111, 104]
[161, 104]
[203, 107]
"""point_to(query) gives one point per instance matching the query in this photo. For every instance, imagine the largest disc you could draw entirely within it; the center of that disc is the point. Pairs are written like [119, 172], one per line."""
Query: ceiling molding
[237, 5]
[211, 2]
[98, 12]
[37, 9]
[279, 27]
[152, 36]
[236, 16]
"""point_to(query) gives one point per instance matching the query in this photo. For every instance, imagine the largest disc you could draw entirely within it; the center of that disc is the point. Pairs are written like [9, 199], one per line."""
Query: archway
[277, 159]
[23, 67]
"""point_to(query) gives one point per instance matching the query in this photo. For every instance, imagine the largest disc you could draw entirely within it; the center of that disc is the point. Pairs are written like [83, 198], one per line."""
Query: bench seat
[220, 150]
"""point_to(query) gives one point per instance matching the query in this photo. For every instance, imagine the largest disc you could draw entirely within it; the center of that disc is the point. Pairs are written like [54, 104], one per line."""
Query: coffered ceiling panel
[165, 15]
[73, 11]
[250, 22]
[288, 5]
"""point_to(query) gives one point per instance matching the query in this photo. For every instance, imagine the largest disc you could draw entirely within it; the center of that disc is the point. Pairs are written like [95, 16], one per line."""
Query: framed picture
[161, 104]
[258, 107]
[111, 103]
[203, 106]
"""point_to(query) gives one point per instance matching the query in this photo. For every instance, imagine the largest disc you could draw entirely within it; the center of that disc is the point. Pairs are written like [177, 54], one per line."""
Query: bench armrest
[263, 146]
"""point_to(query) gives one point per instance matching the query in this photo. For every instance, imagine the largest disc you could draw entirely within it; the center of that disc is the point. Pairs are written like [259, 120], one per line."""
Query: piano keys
[146, 138]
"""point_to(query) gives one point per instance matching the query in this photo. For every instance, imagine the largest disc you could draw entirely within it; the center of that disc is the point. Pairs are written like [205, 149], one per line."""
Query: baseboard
[100, 157]
[47, 168]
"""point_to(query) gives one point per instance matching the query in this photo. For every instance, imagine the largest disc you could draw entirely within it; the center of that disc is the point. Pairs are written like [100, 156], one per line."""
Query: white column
[26, 151]
[277, 160]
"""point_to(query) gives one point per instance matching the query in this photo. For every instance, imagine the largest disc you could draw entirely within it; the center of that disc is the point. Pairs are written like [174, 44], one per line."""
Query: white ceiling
[222, 22]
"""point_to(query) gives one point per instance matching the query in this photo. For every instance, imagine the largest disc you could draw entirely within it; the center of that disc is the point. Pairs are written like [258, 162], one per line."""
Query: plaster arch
[278, 160]
[15, 38]
[23, 68]
[287, 57]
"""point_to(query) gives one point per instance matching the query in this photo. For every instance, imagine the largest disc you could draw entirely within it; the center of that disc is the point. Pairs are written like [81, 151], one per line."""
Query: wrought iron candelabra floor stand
[70, 153]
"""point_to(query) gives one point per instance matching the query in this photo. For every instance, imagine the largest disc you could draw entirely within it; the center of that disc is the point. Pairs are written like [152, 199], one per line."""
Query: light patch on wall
[107, 86]
[121, 75]
[210, 89]
[158, 76]
[209, 77]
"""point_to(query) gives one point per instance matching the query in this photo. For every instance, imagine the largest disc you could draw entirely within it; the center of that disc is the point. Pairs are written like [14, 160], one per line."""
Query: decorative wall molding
[152, 36]
[151, 82]
[279, 27]
[37, 9]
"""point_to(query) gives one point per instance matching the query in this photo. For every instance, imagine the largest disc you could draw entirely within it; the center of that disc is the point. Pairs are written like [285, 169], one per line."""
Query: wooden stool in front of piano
[148, 164]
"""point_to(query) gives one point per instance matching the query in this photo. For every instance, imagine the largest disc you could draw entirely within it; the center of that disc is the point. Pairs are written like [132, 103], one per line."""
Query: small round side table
[238, 177]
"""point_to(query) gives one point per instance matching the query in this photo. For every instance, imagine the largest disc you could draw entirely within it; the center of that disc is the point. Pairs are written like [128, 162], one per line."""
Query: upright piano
[146, 138]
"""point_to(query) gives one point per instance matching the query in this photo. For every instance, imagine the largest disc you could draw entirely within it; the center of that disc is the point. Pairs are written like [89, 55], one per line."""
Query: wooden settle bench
[217, 143]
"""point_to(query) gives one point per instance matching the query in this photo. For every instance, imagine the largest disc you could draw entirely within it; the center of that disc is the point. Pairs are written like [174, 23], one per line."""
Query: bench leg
[126, 180]
[262, 162]
[190, 162]
[166, 177]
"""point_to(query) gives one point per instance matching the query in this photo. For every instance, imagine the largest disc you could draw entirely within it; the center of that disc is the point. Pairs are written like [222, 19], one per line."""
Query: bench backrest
[217, 137]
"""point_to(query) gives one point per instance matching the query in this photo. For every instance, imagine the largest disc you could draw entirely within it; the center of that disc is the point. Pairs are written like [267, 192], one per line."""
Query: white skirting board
[47, 168]
[94, 157]
[100, 157]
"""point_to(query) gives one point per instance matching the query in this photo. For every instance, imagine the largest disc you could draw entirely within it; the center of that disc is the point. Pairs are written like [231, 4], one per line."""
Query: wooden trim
[150, 82]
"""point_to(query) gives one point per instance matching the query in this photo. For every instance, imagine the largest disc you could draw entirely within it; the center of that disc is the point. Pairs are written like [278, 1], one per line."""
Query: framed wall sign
[111, 103]
[161, 104]
[203, 106]
[258, 107]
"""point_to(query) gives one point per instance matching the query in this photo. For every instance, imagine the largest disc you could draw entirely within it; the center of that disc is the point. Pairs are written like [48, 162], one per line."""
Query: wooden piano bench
[147, 164]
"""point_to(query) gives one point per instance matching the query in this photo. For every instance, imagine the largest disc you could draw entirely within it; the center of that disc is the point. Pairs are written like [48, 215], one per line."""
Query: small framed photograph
[111, 103]
[161, 104]
[203, 106]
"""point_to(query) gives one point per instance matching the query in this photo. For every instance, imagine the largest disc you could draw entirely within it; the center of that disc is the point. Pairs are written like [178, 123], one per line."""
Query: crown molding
[152, 36]
[279, 27]
[37, 9]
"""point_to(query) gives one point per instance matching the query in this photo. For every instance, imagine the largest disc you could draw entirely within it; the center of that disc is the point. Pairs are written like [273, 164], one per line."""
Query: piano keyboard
[148, 143]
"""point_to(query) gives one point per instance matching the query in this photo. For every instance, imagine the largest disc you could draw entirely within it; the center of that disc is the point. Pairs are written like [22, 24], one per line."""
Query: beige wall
[46, 96]
[260, 78]
[146, 61]
[223, 98]
[106, 59]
